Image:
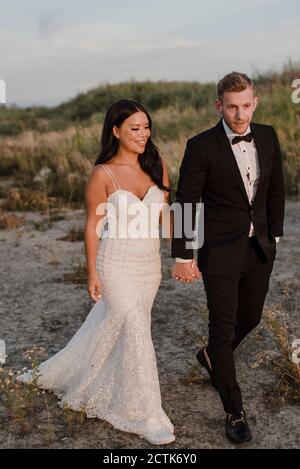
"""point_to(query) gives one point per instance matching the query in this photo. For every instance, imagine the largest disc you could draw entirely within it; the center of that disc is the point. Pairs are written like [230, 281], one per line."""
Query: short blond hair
[234, 81]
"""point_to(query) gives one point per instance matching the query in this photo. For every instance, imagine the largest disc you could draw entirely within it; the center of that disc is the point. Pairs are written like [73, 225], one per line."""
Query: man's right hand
[186, 271]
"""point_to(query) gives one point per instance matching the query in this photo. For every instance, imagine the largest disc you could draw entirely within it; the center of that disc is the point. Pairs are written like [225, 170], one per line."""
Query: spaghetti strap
[112, 177]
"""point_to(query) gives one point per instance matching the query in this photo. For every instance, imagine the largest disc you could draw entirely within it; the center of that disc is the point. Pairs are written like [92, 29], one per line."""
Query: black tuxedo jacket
[209, 171]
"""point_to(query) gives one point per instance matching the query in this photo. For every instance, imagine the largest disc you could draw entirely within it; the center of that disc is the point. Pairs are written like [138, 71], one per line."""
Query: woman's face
[133, 133]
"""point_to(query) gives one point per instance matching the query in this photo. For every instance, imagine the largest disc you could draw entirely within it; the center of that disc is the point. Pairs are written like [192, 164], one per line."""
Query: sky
[51, 50]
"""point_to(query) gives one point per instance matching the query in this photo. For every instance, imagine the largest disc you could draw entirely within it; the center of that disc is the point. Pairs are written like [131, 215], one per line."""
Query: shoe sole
[156, 442]
[238, 441]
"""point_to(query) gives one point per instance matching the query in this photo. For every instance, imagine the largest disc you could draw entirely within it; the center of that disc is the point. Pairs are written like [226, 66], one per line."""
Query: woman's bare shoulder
[98, 178]
[99, 172]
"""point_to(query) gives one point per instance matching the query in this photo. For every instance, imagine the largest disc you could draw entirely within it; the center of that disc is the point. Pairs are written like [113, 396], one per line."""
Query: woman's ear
[116, 132]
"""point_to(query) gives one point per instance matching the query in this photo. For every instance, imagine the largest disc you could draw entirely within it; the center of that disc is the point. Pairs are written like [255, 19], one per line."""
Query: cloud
[61, 47]
[175, 44]
[49, 24]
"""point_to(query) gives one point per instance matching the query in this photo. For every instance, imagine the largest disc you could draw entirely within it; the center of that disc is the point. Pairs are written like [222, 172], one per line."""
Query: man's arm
[192, 176]
[276, 193]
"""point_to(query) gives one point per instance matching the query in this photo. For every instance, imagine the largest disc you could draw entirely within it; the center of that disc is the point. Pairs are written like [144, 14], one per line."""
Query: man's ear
[255, 99]
[219, 105]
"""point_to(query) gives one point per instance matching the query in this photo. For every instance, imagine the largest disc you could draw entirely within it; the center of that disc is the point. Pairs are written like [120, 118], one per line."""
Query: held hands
[183, 271]
[186, 271]
[94, 286]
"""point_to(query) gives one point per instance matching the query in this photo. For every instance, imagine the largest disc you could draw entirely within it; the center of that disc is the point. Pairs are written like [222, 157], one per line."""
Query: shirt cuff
[178, 259]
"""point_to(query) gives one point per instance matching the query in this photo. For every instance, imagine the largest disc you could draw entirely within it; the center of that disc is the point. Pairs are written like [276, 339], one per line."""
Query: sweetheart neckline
[132, 193]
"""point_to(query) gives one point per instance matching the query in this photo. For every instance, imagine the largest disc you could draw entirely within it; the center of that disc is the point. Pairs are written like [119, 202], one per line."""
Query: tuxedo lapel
[259, 147]
[228, 155]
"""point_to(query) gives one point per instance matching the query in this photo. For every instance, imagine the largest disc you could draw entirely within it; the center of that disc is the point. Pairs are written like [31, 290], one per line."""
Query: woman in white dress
[108, 369]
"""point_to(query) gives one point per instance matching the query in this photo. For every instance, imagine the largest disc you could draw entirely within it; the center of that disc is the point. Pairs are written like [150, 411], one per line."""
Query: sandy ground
[39, 308]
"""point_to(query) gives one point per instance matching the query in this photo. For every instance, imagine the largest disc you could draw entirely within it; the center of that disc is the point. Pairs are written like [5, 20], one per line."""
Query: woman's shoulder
[99, 173]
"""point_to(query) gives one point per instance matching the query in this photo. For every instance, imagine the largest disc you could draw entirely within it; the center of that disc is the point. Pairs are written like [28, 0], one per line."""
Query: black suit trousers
[235, 304]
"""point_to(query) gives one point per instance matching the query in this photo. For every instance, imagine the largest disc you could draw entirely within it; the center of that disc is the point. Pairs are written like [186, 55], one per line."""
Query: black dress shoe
[203, 362]
[237, 429]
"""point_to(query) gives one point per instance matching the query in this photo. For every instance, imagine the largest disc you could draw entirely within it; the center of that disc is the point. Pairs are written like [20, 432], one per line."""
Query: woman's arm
[95, 194]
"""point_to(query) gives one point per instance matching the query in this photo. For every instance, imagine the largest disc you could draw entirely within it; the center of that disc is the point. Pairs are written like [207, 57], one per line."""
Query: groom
[235, 167]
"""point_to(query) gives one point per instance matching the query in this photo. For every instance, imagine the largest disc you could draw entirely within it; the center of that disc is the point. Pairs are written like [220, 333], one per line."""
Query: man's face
[237, 108]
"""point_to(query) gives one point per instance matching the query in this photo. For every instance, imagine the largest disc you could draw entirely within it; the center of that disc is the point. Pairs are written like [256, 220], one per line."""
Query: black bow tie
[238, 138]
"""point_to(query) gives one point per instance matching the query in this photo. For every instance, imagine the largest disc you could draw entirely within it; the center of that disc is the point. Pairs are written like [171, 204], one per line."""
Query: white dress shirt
[247, 160]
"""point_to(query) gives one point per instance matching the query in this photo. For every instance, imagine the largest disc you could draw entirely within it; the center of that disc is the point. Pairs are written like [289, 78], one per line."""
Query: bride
[108, 369]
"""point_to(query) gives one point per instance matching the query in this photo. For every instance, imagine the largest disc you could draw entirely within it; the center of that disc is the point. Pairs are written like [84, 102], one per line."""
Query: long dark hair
[150, 160]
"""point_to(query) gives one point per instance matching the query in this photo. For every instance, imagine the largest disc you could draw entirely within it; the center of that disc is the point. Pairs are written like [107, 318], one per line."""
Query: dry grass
[288, 384]
[73, 420]
[48, 169]
[22, 403]
[18, 199]
[195, 375]
[77, 276]
[74, 234]
[25, 407]
[43, 170]
[11, 221]
[283, 324]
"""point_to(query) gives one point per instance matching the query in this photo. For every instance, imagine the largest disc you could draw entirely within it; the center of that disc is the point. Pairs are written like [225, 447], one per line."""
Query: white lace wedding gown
[108, 369]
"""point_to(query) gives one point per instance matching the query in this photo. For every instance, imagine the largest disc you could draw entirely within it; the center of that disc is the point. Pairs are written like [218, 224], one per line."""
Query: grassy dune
[46, 154]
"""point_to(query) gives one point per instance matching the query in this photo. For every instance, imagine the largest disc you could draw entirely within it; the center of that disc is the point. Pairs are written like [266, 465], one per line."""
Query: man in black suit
[235, 167]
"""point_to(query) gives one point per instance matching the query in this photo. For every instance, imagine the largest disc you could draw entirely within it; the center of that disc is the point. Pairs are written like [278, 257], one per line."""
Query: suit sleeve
[192, 177]
[276, 193]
